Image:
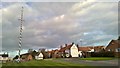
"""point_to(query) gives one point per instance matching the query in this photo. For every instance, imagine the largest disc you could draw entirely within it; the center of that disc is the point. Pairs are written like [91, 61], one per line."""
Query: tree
[30, 50]
[16, 57]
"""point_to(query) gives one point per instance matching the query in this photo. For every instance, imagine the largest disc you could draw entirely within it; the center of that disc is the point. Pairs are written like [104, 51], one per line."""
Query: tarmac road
[92, 63]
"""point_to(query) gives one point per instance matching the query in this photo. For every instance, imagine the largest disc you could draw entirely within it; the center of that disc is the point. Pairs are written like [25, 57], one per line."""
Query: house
[97, 48]
[70, 50]
[53, 54]
[4, 58]
[84, 51]
[49, 54]
[26, 56]
[39, 56]
[73, 50]
[114, 46]
[32, 55]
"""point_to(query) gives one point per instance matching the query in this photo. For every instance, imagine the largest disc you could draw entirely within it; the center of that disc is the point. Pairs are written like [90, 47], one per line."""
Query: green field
[41, 63]
[97, 58]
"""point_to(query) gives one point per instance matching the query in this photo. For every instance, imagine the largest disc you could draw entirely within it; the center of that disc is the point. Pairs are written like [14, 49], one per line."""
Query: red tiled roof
[52, 51]
[84, 48]
[65, 48]
[115, 43]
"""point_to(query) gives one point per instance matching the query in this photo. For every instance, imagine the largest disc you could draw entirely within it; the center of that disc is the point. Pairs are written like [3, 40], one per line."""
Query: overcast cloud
[51, 24]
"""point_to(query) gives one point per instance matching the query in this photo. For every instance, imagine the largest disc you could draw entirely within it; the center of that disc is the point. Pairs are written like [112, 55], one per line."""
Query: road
[91, 63]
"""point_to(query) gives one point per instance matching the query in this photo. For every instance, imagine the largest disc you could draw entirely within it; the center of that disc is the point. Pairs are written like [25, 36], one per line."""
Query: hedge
[102, 54]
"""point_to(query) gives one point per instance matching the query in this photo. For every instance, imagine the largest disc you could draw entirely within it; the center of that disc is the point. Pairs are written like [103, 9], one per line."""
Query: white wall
[74, 51]
[5, 58]
[1, 58]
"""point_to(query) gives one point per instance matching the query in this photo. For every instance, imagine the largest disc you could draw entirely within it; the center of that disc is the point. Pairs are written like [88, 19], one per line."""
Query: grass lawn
[41, 63]
[97, 58]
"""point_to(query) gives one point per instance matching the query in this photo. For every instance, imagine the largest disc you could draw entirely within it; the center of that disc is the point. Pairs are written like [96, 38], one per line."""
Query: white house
[4, 58]
[70, 50]
[74, 51]
[39, 56]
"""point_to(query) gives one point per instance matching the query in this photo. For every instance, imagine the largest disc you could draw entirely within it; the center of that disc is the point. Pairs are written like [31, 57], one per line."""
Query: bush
[102, 54]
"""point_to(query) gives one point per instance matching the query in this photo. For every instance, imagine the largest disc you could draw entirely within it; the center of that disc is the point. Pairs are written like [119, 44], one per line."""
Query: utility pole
[21, 30]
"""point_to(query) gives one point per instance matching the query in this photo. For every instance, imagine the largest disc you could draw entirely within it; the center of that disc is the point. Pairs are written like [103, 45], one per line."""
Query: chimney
[65, 45]
[77, 45]
[60, 46]
[72, 43]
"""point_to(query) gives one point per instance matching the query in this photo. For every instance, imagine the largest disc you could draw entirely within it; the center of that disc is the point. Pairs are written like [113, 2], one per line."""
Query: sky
[52, 24]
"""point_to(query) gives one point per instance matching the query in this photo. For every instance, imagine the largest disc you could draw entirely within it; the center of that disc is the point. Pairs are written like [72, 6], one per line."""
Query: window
[118, 50]
[110, 49]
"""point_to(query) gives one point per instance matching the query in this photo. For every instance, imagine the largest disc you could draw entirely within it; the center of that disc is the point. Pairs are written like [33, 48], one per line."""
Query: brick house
[114, 46]
[84, 51]
[31, 55]
[54, 54]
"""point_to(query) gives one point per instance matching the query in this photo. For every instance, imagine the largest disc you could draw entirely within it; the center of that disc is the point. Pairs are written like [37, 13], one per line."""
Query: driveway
[91, 63]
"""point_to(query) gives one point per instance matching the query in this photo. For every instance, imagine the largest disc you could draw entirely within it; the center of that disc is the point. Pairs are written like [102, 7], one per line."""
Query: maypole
[21, 30]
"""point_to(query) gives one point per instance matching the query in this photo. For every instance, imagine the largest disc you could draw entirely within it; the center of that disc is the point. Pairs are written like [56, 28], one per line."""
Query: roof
[65, 48]
[25, 55]
[34, 53]
[4, 55]
[115, 43]
[84, 48]
[37, 53]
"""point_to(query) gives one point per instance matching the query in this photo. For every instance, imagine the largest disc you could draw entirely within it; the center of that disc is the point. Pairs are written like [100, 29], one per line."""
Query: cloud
[49, 25]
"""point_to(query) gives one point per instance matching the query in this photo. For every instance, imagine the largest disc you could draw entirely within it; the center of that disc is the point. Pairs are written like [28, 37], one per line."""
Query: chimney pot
[72, 43]
[61, 46]
[65, 45]
[77, 45]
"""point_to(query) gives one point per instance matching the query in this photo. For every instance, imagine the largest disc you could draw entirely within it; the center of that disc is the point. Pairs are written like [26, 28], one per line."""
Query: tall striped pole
[21, 30]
